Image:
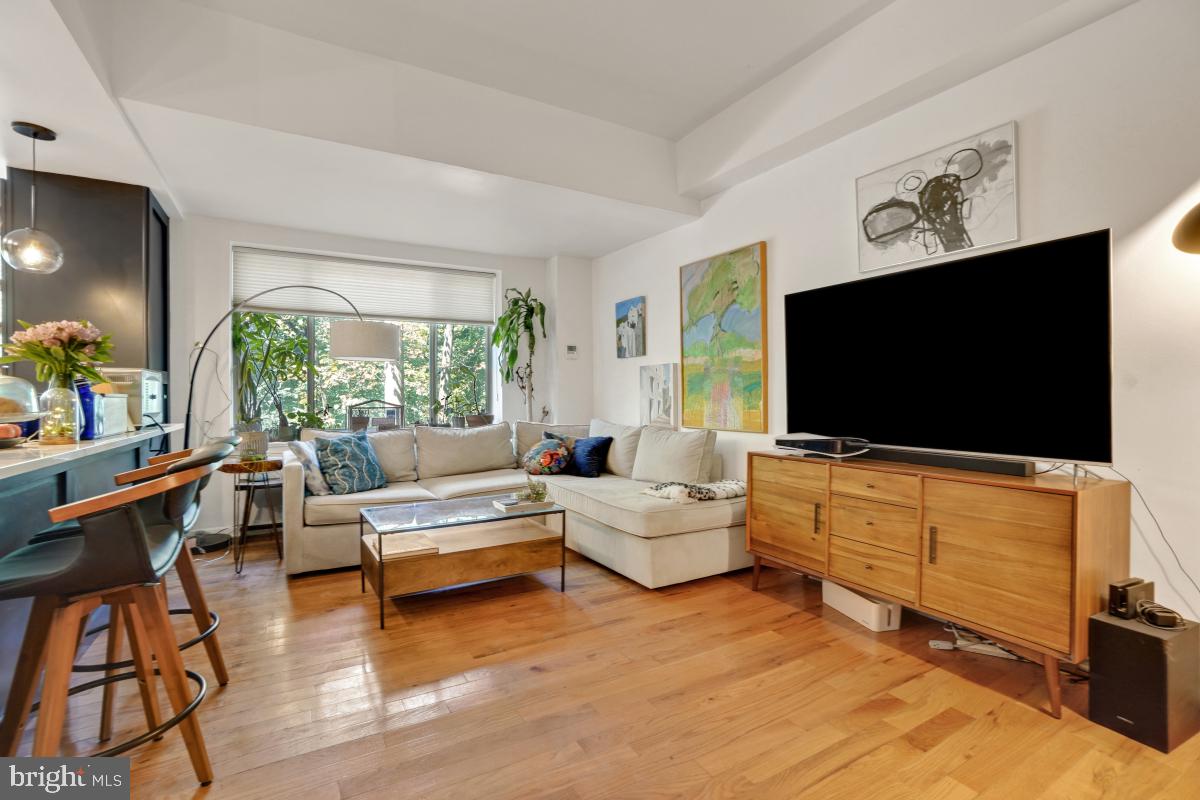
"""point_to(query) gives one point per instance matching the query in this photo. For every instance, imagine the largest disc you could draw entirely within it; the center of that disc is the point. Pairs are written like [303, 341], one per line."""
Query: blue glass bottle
[87, 408]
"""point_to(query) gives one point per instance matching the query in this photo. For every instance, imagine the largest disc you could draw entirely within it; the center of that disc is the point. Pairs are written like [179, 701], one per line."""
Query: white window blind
[380, 289]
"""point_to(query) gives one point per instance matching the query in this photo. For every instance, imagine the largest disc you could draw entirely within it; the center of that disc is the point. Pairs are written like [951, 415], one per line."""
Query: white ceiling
[242, 172]
[659, 66]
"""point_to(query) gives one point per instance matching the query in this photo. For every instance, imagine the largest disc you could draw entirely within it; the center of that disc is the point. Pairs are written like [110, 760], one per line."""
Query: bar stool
[151, 509]
[118, 559]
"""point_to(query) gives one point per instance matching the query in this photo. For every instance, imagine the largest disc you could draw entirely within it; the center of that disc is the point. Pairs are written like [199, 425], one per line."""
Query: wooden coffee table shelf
[496, 546]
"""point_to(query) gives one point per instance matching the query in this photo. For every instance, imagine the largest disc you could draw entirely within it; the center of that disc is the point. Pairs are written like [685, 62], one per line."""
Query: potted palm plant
[523, 315]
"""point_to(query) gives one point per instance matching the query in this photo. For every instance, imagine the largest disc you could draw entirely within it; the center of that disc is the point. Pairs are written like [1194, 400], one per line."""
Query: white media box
[876, 615]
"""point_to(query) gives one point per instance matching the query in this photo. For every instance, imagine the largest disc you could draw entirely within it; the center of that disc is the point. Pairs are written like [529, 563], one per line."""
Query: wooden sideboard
[1022, 560]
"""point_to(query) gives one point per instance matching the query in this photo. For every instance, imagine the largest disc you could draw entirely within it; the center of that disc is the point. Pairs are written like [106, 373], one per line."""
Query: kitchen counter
[32, 456]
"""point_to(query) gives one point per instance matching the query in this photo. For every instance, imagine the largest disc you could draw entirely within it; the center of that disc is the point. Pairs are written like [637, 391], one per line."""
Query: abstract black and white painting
[657, 395]
[954, 198]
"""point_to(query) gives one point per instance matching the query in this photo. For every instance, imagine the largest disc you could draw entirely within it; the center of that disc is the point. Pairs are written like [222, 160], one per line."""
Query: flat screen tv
[1005, 354]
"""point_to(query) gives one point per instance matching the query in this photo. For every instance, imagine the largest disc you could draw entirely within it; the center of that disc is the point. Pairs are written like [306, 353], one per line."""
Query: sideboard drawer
[886, 486]
[872, 522]
[790, 472]
[874, 567]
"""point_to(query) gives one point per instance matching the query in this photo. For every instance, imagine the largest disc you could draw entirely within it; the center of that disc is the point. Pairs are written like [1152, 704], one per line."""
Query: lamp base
[211, 542]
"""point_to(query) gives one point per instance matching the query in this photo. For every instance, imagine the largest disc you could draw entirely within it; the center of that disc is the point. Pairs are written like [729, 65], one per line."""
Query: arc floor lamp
[349, 340]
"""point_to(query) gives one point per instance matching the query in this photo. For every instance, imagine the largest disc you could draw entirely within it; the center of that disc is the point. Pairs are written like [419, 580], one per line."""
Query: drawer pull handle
[816, 519]
[869, 523]
[932, 544]
[870, 486]
[867, 566]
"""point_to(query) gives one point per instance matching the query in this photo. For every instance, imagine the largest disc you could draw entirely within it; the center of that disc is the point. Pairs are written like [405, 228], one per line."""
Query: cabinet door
[788, 516]
[1000, 558]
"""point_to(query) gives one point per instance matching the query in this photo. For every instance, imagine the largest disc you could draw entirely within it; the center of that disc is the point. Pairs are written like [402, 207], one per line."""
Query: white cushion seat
[493, 481]
[333, 509]
[619, 503]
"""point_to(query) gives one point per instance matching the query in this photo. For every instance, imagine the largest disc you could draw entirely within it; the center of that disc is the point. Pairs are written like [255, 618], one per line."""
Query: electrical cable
[1166, 541]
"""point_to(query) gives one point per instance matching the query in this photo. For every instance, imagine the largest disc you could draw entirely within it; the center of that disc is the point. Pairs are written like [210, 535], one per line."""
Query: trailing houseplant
[523, 315]
[60, 352]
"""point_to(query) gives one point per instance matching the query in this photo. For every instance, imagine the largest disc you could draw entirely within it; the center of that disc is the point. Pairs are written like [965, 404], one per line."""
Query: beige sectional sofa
[655, 542]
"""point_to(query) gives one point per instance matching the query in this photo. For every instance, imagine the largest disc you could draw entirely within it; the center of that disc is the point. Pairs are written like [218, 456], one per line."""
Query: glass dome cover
[18, 398]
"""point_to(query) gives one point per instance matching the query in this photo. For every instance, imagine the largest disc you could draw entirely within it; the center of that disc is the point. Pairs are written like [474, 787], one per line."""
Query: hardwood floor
[512, 690]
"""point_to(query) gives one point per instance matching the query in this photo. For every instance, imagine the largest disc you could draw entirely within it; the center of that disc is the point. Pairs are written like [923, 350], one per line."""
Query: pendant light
[29, 249]
[1187, 232]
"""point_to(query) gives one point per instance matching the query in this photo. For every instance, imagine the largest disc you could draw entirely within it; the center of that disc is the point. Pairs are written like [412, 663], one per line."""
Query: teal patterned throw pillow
[349, 464]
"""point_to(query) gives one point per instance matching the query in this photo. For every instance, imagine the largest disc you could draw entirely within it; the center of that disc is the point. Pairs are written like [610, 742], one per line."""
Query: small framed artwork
[958, 197]
[657, 395]
[723, 308]
[631, 328]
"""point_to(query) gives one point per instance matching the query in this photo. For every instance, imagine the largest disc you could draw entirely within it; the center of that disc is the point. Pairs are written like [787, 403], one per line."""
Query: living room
[328, 235]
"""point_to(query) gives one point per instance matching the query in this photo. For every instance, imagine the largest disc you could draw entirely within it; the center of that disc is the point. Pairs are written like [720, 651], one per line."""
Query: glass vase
[62, 421]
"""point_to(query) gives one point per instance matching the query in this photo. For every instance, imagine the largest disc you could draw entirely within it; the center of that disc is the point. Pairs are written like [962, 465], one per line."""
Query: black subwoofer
[1145, 681]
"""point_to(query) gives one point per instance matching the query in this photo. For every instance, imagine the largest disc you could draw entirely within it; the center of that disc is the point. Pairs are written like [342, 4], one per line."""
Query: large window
[283, 372]
[285, 376]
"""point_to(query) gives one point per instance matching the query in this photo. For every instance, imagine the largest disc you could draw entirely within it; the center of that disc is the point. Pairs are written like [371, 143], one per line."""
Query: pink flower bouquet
[60, 349]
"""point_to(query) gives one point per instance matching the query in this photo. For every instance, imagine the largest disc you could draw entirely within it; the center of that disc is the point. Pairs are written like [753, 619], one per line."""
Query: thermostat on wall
[572, 351]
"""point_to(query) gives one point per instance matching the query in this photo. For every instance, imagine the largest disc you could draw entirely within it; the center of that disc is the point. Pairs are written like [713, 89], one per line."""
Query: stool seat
[41, 568]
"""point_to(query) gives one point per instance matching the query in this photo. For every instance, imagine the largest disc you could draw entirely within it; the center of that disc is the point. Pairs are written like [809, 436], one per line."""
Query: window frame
[431, 328]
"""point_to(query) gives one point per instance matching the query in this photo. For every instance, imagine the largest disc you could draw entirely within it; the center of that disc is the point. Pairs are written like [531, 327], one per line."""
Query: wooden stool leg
[757, 573]
[166, 652]
[143, 663]
[60, 657]
[112, 652]
[189, 581]
[25, 677]
[1053, 685]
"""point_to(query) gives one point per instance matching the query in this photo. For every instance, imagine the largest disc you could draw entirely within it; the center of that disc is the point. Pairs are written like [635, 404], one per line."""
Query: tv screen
[1004, 354]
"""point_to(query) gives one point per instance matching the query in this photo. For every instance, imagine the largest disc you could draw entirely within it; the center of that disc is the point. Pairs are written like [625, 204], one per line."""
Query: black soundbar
[850, 447]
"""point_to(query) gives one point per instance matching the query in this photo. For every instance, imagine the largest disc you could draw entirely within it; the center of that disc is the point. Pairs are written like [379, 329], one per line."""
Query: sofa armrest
[292, 477]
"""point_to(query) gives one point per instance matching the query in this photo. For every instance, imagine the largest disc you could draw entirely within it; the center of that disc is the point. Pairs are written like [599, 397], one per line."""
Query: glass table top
[415, 517]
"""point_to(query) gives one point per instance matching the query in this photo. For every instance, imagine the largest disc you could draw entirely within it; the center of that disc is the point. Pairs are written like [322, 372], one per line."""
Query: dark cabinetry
[115, 237]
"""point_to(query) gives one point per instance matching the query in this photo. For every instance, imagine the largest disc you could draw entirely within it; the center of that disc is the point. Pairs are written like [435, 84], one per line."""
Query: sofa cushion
[623, 450]
[306, 454]
[619, 503]
[349, 464]
[338, 508]
[664, 455]
[588, 454]
[530, 433]
[456, 451]
[547, 457]
[395, 449]
[496, 481]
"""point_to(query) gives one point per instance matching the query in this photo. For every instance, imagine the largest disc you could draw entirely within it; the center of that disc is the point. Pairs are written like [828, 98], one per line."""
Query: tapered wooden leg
[757, 573]
[189, 581]
[60, 657]
[1053, 685]
[25, 677]
[116, 632]
[170, 665]
[143, 663]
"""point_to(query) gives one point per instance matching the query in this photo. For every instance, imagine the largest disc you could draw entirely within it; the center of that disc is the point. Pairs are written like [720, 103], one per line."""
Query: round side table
[250, 477]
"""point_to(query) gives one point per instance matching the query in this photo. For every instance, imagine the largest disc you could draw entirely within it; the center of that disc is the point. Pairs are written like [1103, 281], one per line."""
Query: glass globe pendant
[28, 249]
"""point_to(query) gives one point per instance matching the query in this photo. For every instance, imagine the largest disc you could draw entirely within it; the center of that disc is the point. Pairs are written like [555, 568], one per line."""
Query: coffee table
[474, 541]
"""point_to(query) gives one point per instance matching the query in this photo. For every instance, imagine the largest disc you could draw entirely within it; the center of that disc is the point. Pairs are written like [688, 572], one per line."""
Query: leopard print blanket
[693, 492]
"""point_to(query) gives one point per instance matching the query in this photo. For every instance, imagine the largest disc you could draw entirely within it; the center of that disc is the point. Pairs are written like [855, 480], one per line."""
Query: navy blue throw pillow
[349, 464]
[588, 455]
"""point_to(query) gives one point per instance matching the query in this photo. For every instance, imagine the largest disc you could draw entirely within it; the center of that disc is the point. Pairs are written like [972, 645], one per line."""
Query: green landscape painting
[724, 341]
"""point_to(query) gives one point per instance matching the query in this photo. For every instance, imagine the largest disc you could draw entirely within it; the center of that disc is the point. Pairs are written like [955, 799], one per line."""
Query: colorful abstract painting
[954, 198]
[631, 327]
[723, 310]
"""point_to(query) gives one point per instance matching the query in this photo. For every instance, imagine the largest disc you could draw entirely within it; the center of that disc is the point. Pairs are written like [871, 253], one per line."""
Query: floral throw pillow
[349, 464]
[547, 457]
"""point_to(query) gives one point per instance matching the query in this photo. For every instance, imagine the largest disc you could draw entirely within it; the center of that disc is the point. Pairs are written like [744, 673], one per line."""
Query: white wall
[1107, 120]
[569, 322]
[201, 286]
